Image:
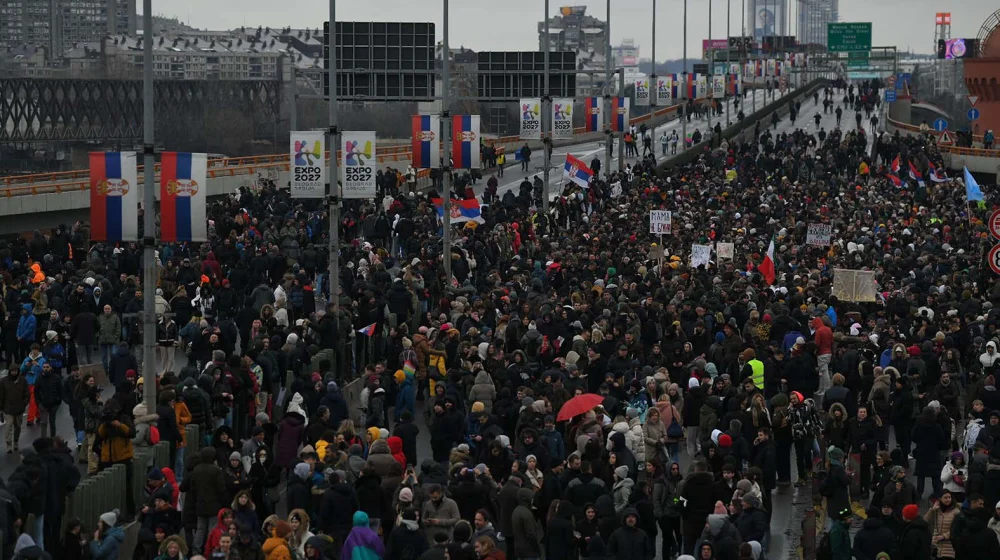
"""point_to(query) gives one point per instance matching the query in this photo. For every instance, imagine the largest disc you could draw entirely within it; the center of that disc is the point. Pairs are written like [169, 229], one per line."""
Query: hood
[816, 323]
[524, 496]
[605, 505]
[380, 447]
[780, 399]
[26, 307]
[181, 544]
[360, 519]
[395, 444]
[374, 433]
[843, 411]
[630, 511]
[483, 378]
[618, 440]
[715, 523]
[222, 513]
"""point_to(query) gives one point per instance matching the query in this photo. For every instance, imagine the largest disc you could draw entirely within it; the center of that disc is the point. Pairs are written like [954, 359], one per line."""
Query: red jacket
[823, 337]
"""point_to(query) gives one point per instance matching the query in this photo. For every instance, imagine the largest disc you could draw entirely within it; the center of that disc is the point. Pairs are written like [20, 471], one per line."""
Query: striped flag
[619, 113]
[368, 331]
[114, 196]
[465, 141]
[425, 143]
[183, 186]
[593, 114]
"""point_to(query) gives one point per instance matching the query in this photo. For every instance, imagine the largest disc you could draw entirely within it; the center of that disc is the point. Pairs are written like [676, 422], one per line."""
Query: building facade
[57, 24]
[767, 18]
[574, 30]
[813, 17]
[181, 58]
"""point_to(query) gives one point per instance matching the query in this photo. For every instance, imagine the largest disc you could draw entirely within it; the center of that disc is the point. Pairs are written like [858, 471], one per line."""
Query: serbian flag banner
[758, 68]
[368, 331]
[692, 86]
[915, 174]
[894, 166]
[895, 180]
[937, 175]
[735, 85]
[675, 86]
[114, 196]
[425, 143]
[577, 171]
[593, 114]
[619, 113]
[461, 210]
[465, 141]
[183, 186]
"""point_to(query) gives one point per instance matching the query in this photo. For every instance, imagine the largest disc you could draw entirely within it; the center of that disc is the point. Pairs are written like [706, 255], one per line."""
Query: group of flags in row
[426, 143]
[935, 174]
[114, 197]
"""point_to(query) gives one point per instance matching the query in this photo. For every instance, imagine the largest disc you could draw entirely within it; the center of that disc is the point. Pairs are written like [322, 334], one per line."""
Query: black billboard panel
[382, 60]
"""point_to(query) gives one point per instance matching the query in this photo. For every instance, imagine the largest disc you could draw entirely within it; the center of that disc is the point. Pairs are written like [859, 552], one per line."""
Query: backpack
[824, 551]
[153, 435]
[971, 436]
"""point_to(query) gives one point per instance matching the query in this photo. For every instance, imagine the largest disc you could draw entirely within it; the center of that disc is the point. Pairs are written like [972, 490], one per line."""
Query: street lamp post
[148, 216]
[333, 144]
[684, 87]
[546, 119]
[446, 151]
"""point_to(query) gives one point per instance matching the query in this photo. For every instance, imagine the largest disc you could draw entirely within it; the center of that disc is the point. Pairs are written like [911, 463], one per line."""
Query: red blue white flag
[465, 141]
[425, 143]
[593, 114]
[368, 331]
[114, 196]
[915, 174]
[619, 113]
[461, 210]
[183, 190]
[577, 171]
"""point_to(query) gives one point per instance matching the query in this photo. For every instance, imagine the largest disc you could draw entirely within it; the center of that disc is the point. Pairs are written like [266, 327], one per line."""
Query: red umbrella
[579, 405]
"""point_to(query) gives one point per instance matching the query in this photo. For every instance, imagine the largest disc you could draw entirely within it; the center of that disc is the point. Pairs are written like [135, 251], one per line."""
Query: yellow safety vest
[757, 367]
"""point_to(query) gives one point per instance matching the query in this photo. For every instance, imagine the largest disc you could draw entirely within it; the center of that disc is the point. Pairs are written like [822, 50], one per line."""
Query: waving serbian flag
[368, 331]
[465, 141]
[592, 114]
[461, 210]
[577, 171]
[766, 268]
[114, 196]
[894, 167]
[937, 175]
[425, 144]
[183, 186]
[915, 174]
[895, 180]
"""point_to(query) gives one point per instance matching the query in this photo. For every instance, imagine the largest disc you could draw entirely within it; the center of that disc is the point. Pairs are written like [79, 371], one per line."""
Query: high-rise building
[767, 18]
[814, 15]
[574, 30]
[57, 24]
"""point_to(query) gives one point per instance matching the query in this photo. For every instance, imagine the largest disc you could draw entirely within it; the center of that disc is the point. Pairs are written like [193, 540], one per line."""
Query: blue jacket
[26, 325]
[54, 355]
[405, 397]
[30, 372]
[109, 546]
[555, 444]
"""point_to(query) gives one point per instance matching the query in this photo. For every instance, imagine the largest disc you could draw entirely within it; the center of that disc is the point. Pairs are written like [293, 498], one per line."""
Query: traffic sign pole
[994, 258]
[994, 224]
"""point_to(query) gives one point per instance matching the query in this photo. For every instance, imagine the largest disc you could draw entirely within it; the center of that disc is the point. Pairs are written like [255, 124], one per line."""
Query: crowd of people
[581, 397]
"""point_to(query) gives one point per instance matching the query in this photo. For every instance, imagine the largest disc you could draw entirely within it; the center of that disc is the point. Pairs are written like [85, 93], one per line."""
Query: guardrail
[945, 148]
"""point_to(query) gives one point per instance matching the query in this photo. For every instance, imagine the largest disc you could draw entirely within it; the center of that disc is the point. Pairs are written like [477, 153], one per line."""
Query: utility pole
[293, 118]
[728, 49]
[546, 119]
[149, 214]
[653, 89]
[684, 87]
[609, 137]
[621, 133]
[333, 144]
[711, 76]
[446, 152]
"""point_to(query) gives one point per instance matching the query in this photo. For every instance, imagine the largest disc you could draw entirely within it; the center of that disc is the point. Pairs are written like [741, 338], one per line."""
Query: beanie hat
[262, 417]
[302, 471]
[155, 474]
[835, 453]
[478, 407]
[282, 529]
[110, 518]
[910, 512]
[406, 495]
[720, 508]
[752, 501]
[622, 472]
[725, 441]
[235, 455]
[399, 376]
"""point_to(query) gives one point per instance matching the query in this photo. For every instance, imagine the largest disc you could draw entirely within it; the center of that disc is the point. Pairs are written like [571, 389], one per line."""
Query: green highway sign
[849, 37]
[857, 59]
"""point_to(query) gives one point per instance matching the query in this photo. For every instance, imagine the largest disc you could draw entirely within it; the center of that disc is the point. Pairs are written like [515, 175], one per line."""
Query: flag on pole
[425, 143]
[183, 186]
[465, 141]
[972, 191]
[675, 85]
[368, 331]
[895, 180]
[619, 113]
[592, 114]
[766, 268]
[577, 171]
[936, 174]
[461, 210]
[114, 196]
[894, 166]
[915, 174]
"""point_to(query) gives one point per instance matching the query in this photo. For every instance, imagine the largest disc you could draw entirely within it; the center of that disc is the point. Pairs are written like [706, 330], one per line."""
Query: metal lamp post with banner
[308, 172]
[358, 163]
[562, 118]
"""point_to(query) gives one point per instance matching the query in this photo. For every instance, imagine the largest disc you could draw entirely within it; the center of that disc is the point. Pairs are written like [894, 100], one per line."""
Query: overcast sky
[511, 24]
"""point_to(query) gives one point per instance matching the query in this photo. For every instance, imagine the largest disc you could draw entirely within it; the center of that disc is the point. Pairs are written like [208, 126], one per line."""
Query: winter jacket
[109, 328]
[630, 543]
[483, 391]
[874, 538]
[111, 542]
[652, 436]
[26, 325]
[525, 533]
[14, 394]
[940, 521]
[445, 512]
[206, 485]
[915, 540]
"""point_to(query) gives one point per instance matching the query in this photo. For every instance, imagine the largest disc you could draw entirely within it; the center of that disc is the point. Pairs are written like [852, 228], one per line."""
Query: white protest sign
[725, 250]
[660, 222]
[819, 235]
[700, 255]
